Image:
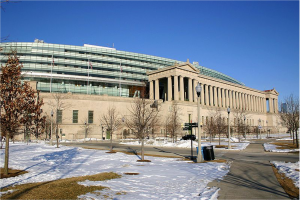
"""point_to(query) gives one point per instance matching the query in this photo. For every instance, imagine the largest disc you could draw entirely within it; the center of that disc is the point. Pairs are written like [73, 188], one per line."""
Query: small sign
[259, 127]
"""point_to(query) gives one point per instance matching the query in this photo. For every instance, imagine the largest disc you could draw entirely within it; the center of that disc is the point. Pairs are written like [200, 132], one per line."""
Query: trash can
[209, 153]
[202, 151]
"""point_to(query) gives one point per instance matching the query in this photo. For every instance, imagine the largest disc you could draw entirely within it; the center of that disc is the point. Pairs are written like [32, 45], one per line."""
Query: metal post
[199, 156]
[51, 141]
[245, 125]
[229, 143]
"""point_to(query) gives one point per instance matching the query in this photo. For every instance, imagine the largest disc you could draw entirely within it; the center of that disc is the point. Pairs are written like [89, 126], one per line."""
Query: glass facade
[89, 69]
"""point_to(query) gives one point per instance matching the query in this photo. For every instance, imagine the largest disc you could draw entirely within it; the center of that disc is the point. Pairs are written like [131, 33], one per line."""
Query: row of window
[90, 119]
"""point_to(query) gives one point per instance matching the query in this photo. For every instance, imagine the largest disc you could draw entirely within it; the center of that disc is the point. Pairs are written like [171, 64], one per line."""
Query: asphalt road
[251, 175]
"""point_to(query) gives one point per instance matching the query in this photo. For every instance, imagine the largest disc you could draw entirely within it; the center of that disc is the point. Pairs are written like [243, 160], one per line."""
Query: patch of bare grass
[131, 173]
[11, 173]
[59, 189]
[286, 183]
[285, 145]
[223, 146]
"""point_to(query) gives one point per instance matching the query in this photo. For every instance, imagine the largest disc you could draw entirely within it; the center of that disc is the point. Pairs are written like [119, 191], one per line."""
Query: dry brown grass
[223, 146]
[60, 189]
[11, 173]
[131, 173]
[143, 161]
[287, 184]
[285, 145]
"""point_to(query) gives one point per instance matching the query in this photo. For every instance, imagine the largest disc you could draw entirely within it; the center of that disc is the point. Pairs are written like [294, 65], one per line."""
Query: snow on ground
[273, 148]
[187, 144]
[289, 169]
[165, 178]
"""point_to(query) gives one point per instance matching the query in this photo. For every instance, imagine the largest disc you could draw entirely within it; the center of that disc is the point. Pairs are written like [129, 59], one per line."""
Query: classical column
[257, 104]
[151, 90]
[170, 88]
[240, 101]
[157, 89]
[223, 98]
[176, 88]
[233, 100]
[230, 98]
[190, 90]
[202, 95]
[243, 101]
[276, 105]
[206, 94]
[194, 89]
[250, 100]
[271, 106]
[226, 98]
[211, 96]
[215, 96]
[219, 97]
[248, 104]
[181, 88]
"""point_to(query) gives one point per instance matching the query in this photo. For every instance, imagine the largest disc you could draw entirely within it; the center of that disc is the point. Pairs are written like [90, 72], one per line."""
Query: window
[59, 116]
[90, 117]
[75, 116]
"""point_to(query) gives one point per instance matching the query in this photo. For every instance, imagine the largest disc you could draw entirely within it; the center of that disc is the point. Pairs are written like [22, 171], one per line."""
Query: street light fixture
[51, 141]
[199, 156]
[229, 143]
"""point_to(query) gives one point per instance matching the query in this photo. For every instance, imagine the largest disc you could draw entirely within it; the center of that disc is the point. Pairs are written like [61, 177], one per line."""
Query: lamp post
[229, 143]
[85, 129]
[51, 141]
[268, 134]
[245, 126]
[123, 120]
[259, 127]
[199, 156]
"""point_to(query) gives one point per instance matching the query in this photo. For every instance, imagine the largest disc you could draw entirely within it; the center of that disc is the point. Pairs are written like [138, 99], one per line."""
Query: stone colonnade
[212, 95]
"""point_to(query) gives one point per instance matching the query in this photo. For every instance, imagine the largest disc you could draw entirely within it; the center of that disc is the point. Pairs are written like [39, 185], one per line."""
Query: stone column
[194, 89]
[219, 97]
[190, 90]
[233, 100]
[250, 98]
[157, 89]
[248, 105]
[215, 97]
[276, 105]
[151, 90]
[223, 98]
[206, 94]
[170, 88]
[257, 104]
[181, 88]
[202, 95]
[211, 96]
[226, 98]
[272, 105]
[230, 98]
[176, 97]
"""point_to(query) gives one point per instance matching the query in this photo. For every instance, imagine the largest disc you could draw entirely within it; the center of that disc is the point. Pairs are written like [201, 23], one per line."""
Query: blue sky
[254, 42]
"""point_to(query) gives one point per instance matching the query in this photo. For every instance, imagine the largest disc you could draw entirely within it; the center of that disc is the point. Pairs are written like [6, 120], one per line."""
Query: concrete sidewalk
[249, 178]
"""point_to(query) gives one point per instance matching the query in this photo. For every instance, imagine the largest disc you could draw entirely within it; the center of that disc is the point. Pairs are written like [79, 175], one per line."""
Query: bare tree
[142, 113]
[57, 105]
[219, 124]
[16, 98]
[239, 116]
[87, 128]
[112, 120]
[290, 118]
[173, 124]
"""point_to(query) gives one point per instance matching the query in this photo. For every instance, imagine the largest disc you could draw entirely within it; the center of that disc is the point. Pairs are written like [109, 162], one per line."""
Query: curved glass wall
[90, 69]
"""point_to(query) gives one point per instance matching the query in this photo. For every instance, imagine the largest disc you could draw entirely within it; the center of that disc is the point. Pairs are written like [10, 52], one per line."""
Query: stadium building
[92, 78]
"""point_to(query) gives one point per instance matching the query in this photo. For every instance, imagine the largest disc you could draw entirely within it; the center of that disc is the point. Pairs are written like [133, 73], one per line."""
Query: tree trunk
[6, 156]
[142, 150]
[293, 136]
[111, 147]
[297, 142]
[219, 138]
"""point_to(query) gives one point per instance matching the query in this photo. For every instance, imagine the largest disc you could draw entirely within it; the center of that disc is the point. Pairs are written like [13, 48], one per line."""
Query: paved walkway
[249, 178]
